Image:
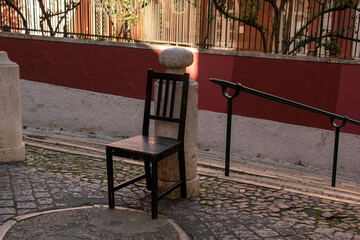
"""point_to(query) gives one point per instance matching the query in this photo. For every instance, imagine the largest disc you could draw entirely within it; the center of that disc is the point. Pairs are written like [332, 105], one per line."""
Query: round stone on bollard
[176, 60]
[12, 148]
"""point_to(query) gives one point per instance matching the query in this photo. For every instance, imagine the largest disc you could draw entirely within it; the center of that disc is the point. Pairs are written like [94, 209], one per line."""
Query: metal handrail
[240, 88]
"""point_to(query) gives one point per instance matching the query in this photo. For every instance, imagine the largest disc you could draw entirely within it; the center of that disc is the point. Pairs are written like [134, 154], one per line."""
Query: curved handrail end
[225, 83]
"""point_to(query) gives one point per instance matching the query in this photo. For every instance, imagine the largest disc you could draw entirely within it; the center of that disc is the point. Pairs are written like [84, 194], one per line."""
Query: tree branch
[46, 16]
[67, 9]
[11, 4]
[248, 20]
[345, 6]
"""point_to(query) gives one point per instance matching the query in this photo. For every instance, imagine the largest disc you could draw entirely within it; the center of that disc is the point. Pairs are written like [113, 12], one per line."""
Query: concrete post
[12, 148]
[176, 60]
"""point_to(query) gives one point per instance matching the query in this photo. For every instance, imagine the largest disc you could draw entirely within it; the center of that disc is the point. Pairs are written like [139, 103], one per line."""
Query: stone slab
[92, 223]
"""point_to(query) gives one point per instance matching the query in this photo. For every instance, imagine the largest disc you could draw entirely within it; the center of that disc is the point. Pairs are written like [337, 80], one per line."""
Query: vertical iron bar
[295, 24]
[238, 35]
[336, 148]
[321, 29]
[312, 25]
[221, 28]
[244, 26]
[10, 25]
[18, 20]
[347, 34]
[357, 36]
[328, 20]
[233, 27]
[228, 137]
[34, 7]
[228, 126]
[88, 21]
[268, 23]
[65, 26]
[302, 20]
[226, 25]
[262, 21]
[250, 27]
[307, 28]
[1, 15]
[342, 29]
[208, 32]
[214, 35]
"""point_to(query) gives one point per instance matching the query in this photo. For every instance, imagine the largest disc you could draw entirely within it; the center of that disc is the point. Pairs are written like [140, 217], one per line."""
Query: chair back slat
[165, 108]
[166, 97]
[158, 107]
[173, 92]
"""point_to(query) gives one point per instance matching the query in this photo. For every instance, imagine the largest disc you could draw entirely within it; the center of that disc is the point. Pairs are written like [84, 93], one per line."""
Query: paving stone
[23, 198]
[283, 207]
[42, 194]
[6, 195]
[6, 203]
[343, 235]
[266, 233]
[26, 211]
[26, 205]
[274, 209]
[328, 215]
[221, 211]
[297, 237]
[233, 190]
[45, 201]
[4, 218]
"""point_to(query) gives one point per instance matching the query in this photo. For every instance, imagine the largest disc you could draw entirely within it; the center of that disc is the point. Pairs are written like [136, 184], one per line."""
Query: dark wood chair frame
[152, 149]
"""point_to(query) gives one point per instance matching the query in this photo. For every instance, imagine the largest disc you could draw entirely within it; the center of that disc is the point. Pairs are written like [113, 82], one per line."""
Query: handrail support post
[228, 126]
[228, 137]
[336, 148]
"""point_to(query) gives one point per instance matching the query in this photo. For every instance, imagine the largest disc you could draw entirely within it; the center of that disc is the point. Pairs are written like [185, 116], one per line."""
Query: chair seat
[146, 146]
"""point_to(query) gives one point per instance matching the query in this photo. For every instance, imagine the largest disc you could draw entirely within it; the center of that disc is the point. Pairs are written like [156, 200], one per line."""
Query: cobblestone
[224, 209]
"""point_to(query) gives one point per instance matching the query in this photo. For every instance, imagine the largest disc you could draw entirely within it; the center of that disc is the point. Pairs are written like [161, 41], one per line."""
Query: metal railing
[325, 28]
[239, 88]
[308, 27]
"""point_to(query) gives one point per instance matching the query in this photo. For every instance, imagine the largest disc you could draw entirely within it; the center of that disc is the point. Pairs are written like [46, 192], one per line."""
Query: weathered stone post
[176, 60]
[12, 148]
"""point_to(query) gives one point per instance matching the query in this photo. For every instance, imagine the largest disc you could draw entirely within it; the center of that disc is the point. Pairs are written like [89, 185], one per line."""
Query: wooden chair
[152, 149]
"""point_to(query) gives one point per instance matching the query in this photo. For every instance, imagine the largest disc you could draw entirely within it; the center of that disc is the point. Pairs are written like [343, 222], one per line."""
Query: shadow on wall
[77, 85]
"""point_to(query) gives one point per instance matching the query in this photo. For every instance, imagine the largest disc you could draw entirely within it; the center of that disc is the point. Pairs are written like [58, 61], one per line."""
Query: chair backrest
[165, 98]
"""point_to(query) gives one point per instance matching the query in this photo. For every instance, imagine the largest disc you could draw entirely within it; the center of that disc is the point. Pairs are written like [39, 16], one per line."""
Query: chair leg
[110, 177]
[148, 175]
[182, 172]
[154, 191]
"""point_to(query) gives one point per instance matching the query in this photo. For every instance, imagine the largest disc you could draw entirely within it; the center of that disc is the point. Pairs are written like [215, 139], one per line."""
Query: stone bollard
[176, 60]
[12, 148]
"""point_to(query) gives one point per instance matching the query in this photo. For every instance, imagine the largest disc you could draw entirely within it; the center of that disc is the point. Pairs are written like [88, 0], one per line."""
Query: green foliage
[332, 48]
[126, 11]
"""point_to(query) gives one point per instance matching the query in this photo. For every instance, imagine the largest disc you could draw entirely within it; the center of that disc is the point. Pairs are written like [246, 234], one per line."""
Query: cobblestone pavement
[225, 209]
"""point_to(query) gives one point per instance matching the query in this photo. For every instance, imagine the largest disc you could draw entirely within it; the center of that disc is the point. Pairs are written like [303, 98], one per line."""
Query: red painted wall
[121, 71]
[104, 69]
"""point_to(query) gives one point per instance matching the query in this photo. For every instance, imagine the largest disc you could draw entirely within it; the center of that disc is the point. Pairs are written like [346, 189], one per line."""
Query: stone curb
[213, 169]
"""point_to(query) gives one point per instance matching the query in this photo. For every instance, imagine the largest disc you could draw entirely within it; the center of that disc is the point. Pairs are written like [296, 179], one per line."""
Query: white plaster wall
[258, 138]
[52, 107]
